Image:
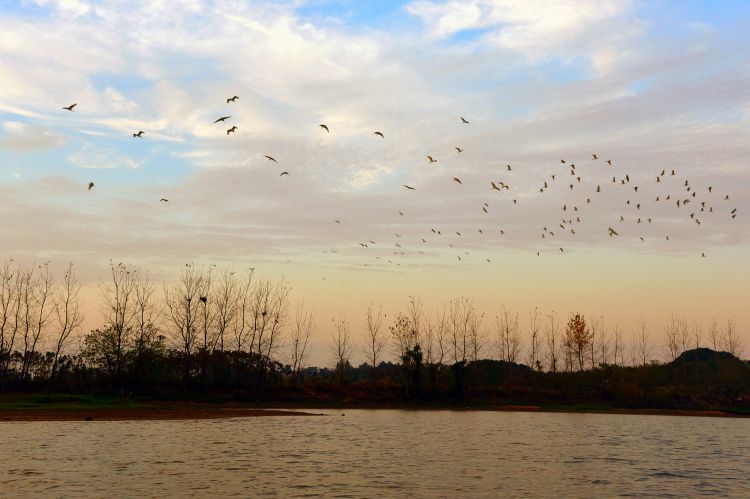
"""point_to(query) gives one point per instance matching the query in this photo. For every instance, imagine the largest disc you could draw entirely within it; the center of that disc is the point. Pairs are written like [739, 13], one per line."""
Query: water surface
[380, 453]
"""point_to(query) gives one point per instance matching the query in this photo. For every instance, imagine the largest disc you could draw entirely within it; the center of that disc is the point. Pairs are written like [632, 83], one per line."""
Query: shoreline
[177, 412]
[143, 414]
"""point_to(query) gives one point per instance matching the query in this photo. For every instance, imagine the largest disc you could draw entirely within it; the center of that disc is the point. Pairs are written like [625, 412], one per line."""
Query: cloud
[23, 137]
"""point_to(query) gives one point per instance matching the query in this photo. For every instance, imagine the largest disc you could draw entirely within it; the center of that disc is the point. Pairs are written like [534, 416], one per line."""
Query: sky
[649, 85]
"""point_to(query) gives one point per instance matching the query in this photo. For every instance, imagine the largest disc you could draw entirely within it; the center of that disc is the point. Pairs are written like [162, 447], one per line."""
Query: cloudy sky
[651, 86]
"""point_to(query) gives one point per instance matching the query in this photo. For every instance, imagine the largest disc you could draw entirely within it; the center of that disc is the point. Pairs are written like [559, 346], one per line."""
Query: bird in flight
[338, 221]
[91, 185]
[456, 179]
[459, 150]
[223, 118]
[270, 158]
[164, 200]
[139, 134]
[283, 173]
[232, 99]
[431, 160]
[508, 168]
[70, 107]
[204, 299]
[594, 156]
[231, 130]
[409, 187]
[324, 127]
[613, 232]
[464, 120]
[401, 213]
[379, 134]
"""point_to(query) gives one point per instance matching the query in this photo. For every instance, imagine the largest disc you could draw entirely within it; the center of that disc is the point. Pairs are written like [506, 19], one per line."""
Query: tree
[731, 342]
[676, 336]
[241, 326]
[375, 338]
[341, 346]
[268, 312]
[577, 338]
[147, 315]
[118, 308]
[182, 301]
[39, 306]
[304, 328]
[508, 335]
[535, 341]
[641, 344]
[227, 304]
[552, 336]
[68, 312]
[618, 346]
[714, 335]
[402, 334]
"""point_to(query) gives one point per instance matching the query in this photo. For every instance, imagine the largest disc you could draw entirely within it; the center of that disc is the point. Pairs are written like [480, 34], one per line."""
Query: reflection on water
[370, 453]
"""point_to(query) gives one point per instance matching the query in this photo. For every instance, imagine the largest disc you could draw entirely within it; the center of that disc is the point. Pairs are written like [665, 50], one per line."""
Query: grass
[65, 401]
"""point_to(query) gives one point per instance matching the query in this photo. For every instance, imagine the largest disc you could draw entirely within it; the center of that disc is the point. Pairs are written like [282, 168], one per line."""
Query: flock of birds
[686, 199]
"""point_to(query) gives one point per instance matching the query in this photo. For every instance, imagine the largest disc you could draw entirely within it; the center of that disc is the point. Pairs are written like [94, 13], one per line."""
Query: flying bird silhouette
[431, 160]
[409, 187]
[232, 99]
[459, 150]
[91, 185]
[379, 134]
[464, 120]
[283, 173]
[456, 179]
[324, 127]
[164, 200]
[232, 130]
[222, 119]
[139, 134]
[270, 158]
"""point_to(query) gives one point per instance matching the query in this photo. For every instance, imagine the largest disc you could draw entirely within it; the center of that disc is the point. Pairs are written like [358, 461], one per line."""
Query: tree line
[213, 329]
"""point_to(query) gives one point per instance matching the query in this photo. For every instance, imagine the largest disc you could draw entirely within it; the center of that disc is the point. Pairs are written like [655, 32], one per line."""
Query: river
[380, 453]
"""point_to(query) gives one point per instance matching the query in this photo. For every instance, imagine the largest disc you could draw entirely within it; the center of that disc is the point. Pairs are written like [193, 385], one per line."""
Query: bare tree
[597, 333]
[182, 301]
[553, 341]
[241, 326]
[641, 344]
[207, 315]
[269, 310]
[68, 311]
[696, 333]
[508, 335]
[227, 304]
[304, 328]
[676, 336]
[535, 340]
[714, 335]
[731, 342]
[618, 346]
[463, 322]
[415, 314]
[8, 295]
[375, 338]
[604, 345]
[441, 336]
[40, 302]
[118, 309]
[341, 346]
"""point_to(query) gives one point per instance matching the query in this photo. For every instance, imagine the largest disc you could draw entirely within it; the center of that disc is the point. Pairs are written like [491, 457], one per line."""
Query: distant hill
[706, 355]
